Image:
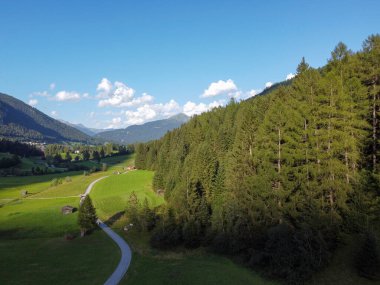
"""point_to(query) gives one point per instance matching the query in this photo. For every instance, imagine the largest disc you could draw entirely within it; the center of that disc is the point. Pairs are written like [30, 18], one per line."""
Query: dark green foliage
[368, 260]
[167, 233]
[19, 148]
[7, 162]
[132, 211]
[293, 255]
[276, 178]
[86, 216]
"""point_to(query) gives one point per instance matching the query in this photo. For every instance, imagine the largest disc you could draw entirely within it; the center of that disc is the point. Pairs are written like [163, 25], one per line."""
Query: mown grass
[111, 194]
[11, 187]
[32, 245]
[89, 260]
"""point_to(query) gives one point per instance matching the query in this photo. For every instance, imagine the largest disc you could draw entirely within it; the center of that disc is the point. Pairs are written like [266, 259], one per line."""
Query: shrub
[292, 254]
[367, 259]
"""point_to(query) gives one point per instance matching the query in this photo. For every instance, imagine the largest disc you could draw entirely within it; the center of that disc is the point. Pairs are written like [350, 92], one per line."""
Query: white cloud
[268, 84]
[67, 96]
[86, 95]
[33, 102]
[252, 93]
[143, 99]
[52, 86]
[219, 87]
[290, 76]
[104, 88]
[115, 123]
[116, 95]
[141, 115]
[92, 114]
[151, 112]
[191, 108]
[40, 94]
[54, 113]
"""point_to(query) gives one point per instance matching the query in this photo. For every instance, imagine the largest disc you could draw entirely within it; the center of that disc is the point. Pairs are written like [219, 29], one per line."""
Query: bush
[367, 259]
[55, 182]
[166, 237]
[290, 254]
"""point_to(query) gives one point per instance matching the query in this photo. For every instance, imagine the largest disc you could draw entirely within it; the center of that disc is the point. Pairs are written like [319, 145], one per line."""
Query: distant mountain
[88, 131]
[144, 133]
[23, 122]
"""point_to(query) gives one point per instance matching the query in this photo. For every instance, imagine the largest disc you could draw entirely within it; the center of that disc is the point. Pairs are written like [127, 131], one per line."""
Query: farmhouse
[68, 210]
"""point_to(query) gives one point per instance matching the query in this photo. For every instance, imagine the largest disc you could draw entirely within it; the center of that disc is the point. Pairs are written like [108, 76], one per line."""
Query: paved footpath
[126, 253]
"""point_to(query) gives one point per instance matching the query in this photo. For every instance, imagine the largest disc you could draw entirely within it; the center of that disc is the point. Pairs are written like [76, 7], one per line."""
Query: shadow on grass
[113, 219]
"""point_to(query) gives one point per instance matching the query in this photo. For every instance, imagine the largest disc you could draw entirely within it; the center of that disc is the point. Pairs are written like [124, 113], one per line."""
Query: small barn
[68, 210]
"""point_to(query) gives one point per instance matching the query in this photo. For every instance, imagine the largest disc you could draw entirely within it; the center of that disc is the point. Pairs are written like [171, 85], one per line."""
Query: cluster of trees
[19, 148]
[54, 152]
[7, 162]
[277, 178]
[140, 216]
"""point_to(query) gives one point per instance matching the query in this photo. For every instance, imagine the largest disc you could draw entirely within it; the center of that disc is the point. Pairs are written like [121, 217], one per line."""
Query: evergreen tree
[86, 216]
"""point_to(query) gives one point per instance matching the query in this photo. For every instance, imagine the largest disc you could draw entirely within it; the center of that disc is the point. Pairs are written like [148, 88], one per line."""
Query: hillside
[144, 133]
[23, 122]
[88, 131]
[281, 179]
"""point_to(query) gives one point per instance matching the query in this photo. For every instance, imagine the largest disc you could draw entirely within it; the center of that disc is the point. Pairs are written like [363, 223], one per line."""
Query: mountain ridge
[20, 121]
[145, 132]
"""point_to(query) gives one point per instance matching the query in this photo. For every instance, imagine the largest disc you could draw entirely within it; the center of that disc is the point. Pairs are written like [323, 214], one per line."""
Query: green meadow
[32, 245]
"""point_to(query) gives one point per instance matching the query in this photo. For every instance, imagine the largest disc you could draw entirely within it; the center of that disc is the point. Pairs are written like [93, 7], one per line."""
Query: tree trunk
[279, 151]
[374, 129]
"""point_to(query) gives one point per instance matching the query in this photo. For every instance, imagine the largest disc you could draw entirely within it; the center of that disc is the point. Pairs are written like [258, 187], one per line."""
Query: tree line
[276, 179]
[19, 148]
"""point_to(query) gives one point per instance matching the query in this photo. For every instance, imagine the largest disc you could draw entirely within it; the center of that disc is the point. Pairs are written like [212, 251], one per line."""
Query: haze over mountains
[145, 132]
[23, 122]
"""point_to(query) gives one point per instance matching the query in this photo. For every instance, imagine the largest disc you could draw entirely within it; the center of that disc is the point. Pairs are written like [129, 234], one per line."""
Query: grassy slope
[32, 247]
[150, 266]
[111, 195]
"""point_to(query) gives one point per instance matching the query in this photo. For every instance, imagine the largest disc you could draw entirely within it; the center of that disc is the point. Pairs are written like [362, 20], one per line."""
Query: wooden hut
[68, 210]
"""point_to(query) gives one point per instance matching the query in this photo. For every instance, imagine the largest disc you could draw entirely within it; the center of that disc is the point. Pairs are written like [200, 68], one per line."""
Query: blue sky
[116, 63]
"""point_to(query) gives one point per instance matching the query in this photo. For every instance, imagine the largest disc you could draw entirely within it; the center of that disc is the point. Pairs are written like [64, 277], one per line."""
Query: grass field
[32, 247]
[111, 195]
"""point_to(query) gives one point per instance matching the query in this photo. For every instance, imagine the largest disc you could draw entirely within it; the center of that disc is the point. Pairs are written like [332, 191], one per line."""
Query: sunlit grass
[32, 245]
[111, 195]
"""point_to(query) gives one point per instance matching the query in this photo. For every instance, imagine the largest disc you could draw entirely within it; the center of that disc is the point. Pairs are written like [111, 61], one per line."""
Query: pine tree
[86, 216]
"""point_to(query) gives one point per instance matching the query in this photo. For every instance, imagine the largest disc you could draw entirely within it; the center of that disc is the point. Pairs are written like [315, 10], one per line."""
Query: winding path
[126, 254]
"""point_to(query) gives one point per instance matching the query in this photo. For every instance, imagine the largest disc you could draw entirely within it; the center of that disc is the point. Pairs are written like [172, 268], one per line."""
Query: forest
[277, 179]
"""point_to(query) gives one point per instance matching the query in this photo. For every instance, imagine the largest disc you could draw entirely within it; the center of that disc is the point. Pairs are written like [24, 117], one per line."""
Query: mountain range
[145, 132]
[21, 121]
